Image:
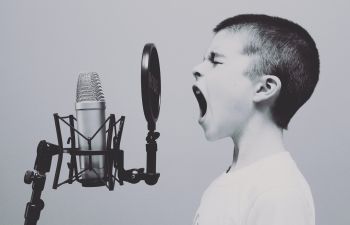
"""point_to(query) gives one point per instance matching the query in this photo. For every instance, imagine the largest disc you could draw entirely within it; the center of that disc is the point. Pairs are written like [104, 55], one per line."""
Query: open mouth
[201, 100]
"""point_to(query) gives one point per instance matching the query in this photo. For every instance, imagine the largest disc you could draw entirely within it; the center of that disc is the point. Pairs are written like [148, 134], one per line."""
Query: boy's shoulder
[277, 171]
[274, 181]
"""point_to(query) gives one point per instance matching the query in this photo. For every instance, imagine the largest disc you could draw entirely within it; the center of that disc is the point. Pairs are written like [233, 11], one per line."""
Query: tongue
[201, 100]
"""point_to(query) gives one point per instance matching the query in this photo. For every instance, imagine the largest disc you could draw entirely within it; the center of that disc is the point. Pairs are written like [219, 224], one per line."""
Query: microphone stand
[45, 152]
[35, 205]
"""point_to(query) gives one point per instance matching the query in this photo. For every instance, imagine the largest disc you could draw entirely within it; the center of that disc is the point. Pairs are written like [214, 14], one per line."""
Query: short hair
[284, 49]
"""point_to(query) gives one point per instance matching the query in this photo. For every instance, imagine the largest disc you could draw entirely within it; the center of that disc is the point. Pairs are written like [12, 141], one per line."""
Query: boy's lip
[201, 101]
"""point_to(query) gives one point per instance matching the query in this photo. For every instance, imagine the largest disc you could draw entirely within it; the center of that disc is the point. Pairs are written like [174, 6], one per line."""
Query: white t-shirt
[271, 191]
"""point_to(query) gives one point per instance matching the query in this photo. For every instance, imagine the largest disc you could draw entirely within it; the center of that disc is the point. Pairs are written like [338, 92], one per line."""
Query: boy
[258, 71]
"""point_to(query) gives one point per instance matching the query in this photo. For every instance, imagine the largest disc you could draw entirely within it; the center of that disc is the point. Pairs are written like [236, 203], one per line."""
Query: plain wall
[44, 45]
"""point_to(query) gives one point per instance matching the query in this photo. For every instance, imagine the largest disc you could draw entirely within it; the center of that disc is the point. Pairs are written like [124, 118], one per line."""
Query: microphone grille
[89, 88]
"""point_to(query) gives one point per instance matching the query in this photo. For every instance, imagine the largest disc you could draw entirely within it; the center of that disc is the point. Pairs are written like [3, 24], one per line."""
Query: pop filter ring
[150, 85]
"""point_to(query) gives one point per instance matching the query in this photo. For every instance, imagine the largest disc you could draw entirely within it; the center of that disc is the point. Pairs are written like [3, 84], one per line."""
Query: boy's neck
[260, 138]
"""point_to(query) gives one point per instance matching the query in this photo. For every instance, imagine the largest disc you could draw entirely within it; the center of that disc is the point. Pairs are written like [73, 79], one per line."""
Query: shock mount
[114, 162]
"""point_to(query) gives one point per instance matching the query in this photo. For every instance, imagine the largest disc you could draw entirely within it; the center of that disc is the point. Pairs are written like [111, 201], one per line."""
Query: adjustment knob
[28, 177]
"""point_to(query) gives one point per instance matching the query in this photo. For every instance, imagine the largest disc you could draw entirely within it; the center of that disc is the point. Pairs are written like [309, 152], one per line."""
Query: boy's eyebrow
[213, 55]
[216, 54]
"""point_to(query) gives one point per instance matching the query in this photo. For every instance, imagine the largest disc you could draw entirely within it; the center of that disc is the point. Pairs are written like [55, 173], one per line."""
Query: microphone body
[90, 113]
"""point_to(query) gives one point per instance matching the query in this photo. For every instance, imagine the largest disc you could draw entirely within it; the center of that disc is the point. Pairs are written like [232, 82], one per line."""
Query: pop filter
[150, 84]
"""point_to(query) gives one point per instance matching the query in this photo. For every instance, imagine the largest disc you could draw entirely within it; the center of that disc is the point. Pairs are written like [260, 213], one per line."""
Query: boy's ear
[267, 88]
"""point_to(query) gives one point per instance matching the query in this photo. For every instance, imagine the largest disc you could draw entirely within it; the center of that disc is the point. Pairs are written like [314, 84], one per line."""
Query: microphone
[90, 114]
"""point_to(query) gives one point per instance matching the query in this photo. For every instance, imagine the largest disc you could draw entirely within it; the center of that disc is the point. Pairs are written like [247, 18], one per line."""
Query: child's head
[259, 62]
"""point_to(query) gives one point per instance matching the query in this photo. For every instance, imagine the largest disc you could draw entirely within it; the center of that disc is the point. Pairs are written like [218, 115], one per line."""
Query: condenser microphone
[90, 114]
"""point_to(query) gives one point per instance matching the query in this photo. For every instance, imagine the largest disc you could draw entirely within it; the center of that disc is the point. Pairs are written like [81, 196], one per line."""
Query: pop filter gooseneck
[150, 85]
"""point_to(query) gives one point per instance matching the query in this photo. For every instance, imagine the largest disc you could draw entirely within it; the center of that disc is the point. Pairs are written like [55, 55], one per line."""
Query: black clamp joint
[133, 175]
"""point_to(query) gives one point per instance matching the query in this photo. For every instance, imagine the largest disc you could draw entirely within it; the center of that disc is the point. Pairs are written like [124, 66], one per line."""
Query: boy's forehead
[228, 43]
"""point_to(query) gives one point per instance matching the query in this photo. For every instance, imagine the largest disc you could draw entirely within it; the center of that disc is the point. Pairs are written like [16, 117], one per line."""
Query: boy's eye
[214, 62]
[211, 58]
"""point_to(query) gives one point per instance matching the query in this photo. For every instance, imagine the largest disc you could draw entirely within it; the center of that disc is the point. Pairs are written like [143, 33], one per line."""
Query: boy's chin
[212, 135]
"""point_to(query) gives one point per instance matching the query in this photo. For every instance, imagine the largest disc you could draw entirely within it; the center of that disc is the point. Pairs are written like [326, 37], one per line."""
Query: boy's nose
[197, 72]
[196, 75]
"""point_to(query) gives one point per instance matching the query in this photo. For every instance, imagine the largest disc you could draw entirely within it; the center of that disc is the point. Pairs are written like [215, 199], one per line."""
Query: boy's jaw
[203, 119]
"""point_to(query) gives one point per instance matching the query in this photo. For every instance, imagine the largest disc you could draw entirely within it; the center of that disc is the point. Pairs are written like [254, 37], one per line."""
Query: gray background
[45, 44]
